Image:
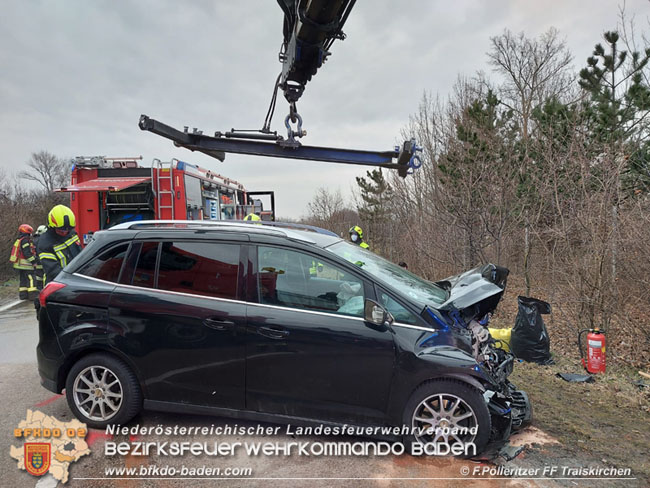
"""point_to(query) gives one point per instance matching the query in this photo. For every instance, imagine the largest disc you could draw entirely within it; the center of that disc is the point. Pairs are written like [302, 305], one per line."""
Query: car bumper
[49, 384]
[48, 370]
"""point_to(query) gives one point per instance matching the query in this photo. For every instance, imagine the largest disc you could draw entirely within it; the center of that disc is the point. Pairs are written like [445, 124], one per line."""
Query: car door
[309, 352]
[178, 316]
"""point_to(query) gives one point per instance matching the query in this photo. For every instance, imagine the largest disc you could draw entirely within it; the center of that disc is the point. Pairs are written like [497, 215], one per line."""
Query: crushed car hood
[480, 288]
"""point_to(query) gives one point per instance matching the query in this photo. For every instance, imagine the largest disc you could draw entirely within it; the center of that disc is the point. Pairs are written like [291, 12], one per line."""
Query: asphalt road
[20, 390]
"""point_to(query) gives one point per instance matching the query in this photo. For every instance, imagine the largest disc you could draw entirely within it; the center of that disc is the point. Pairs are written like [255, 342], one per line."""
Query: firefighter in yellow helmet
[23, 259]
[356, 236]
[253, 217]
[60, 243]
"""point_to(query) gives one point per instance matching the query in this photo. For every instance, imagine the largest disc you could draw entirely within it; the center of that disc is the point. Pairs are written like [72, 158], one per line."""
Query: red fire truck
[107, 191]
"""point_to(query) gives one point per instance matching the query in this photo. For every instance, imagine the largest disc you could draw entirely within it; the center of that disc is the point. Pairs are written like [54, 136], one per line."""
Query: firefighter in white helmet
[38, 267]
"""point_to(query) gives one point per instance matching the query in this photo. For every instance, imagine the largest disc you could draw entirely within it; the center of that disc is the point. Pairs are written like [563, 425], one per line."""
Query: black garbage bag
[529, 340]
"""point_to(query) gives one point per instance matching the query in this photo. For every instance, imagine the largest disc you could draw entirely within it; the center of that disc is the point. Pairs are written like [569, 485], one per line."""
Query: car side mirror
[376, 314]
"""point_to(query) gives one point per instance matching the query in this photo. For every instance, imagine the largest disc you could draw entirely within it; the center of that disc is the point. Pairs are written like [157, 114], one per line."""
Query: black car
[275, 324]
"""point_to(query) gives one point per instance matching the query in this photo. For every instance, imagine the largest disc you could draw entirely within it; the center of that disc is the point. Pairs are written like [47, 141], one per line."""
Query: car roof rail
[296, 226]
[211, 224]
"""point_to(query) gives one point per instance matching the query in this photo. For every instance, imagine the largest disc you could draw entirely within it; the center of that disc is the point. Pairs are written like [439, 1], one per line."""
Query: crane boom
[310, 28]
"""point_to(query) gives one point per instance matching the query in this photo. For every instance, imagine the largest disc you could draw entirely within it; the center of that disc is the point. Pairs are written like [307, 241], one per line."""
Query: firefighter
[38, 267]
[316, 267]
[356, 236]
[23, 258]
[59, 244]
[253, 217]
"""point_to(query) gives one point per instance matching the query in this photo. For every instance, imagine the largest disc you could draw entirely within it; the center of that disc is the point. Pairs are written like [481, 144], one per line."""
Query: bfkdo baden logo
[37, 457]
[49, 445]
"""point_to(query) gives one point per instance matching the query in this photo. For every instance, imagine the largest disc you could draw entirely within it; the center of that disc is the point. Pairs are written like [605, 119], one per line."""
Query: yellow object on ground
[502, 335]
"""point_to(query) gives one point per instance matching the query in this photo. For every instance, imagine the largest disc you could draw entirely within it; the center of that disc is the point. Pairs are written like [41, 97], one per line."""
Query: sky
[75, 75]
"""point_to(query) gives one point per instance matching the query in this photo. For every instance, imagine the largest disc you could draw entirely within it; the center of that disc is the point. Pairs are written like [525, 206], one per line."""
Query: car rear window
[200, 268]
[107, 265]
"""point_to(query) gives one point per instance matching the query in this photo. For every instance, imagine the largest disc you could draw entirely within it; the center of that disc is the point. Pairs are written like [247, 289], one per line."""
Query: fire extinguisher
[595, 350]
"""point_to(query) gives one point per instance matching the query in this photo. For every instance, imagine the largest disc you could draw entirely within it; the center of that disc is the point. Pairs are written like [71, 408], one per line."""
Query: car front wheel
[102, 390]
[447, 415]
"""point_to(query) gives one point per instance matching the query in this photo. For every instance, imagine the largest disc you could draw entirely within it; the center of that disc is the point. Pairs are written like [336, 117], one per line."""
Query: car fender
[75, 356]
[430, 364]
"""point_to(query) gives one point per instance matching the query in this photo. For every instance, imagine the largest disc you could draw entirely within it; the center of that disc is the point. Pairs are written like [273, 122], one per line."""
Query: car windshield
[397, 277]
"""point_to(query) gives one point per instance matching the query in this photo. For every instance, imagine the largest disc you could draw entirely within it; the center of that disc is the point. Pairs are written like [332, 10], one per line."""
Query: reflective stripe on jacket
[22, 253]
[55, 252]
[61, 250]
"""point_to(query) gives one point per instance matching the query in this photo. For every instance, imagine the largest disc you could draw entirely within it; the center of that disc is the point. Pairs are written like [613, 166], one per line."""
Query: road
[20, 390]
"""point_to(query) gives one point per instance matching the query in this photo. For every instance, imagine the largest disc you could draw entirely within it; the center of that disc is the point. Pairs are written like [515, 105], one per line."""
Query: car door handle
[272, 332]
[219, 324]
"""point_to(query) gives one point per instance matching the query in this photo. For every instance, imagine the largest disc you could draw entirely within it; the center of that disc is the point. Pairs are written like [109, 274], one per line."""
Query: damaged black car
[275, 324]
[465, 383]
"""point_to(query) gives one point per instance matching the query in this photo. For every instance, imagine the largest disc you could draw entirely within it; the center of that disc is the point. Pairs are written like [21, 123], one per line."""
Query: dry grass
[607, 420]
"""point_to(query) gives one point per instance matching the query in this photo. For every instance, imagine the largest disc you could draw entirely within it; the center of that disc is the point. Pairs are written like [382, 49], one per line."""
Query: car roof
[310, 235]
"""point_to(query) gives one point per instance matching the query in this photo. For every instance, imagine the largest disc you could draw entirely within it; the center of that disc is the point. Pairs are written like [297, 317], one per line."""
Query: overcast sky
[76, 75]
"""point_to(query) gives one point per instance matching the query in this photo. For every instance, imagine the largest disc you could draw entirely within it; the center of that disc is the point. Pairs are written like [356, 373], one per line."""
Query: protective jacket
[23, 253]
[55, 252]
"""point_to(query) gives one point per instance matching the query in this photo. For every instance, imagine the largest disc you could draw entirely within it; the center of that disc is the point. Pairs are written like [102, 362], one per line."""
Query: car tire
[101, 390]
[440, 396]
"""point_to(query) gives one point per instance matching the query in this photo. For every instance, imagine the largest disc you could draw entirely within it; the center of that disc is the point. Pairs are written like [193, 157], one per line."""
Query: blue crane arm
[403, 158]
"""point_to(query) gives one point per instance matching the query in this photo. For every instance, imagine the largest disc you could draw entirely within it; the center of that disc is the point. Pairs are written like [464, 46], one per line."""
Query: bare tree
[47, 170]
[325, 205]
[534, 70]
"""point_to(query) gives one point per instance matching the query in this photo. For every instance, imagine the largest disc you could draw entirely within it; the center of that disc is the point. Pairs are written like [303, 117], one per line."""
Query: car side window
[107, 265]
[287, 278]
[199, 268]
[145, 269]
[399, 313]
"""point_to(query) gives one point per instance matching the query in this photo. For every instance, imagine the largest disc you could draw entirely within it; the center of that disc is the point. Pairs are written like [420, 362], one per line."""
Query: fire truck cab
[107, 191]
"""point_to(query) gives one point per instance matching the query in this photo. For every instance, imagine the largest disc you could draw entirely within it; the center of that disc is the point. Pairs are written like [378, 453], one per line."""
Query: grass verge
[607, 420]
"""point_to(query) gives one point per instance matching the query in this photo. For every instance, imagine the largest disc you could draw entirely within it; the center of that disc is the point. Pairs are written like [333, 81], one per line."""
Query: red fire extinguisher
[595, 350]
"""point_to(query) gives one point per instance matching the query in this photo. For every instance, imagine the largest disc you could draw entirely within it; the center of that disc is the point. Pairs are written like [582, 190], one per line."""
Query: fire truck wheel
[101, 389]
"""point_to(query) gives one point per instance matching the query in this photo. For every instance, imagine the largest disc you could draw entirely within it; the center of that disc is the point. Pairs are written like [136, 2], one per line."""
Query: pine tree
[619, 108]
[476, 172]
[375, 208]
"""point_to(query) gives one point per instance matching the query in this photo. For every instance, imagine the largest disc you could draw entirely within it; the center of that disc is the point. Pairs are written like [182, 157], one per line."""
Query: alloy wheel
[97, 393]
[436, 417]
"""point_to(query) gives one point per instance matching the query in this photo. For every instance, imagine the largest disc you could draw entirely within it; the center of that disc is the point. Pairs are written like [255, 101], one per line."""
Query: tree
[375, 206]
[619, 107]
[477, 175]
[325, 205]
[534, 70]
[47, 170]
[328, 209]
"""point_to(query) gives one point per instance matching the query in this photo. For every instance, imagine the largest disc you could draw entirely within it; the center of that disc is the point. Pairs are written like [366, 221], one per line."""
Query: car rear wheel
[102, 390]
[447, 413]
